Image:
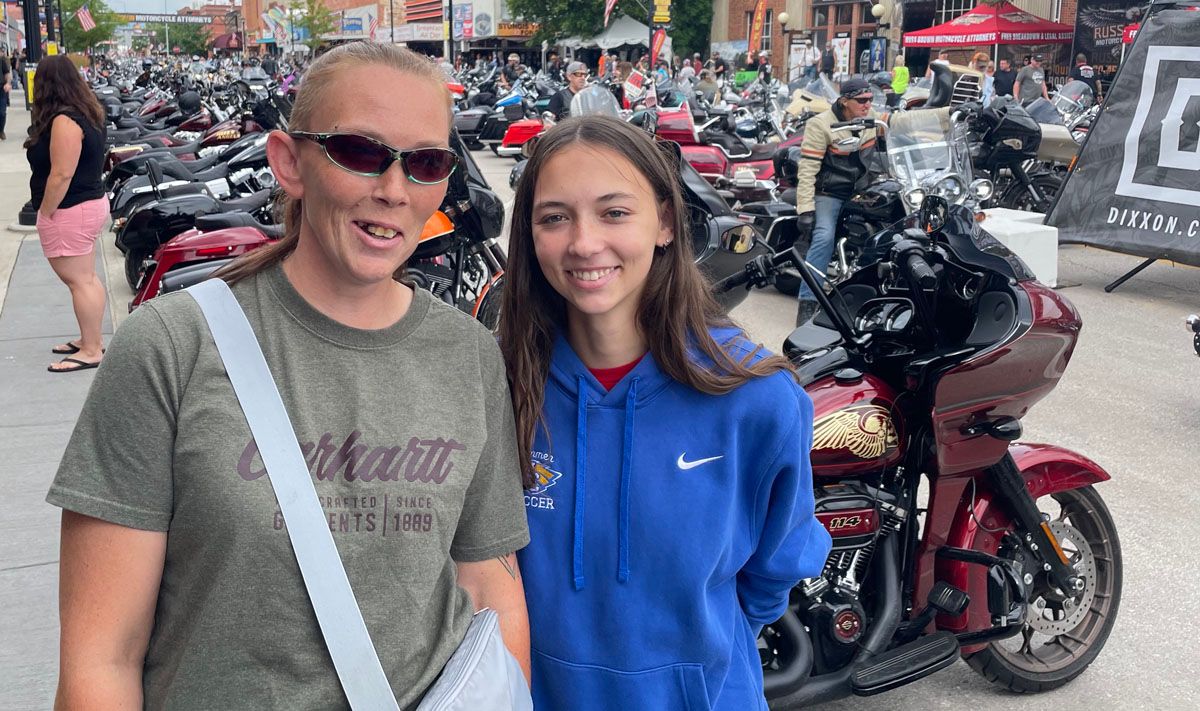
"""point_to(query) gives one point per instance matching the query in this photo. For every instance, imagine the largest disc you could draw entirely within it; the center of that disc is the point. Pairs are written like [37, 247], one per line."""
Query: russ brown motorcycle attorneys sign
[1136, 186]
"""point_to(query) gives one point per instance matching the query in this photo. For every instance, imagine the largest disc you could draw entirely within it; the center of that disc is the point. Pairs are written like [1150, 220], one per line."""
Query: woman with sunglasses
[179, 586]
[668, 484]
[826, 179]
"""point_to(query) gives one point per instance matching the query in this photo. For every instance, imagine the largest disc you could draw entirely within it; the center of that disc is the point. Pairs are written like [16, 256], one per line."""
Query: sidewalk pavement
[37, 413]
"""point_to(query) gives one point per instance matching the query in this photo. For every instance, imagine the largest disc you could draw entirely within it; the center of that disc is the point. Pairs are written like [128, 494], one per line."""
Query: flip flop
[80, 365]
[67, 348]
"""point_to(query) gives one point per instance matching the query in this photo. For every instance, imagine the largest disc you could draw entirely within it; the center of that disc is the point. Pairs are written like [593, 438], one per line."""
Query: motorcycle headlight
[914, 197]
[982, 188]
[951, 188]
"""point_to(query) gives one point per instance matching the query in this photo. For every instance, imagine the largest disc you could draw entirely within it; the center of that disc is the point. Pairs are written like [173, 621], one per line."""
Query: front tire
[1020, 197]
[1062, 635]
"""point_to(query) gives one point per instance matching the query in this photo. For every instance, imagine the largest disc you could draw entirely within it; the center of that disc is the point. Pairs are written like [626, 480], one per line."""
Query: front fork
[1038, 539]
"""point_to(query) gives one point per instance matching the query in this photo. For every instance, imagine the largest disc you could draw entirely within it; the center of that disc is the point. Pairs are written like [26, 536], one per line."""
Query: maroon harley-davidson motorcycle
[950, 538]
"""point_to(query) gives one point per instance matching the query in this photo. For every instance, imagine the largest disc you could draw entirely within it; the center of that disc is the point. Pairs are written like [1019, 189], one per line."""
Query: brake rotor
[1046, 603]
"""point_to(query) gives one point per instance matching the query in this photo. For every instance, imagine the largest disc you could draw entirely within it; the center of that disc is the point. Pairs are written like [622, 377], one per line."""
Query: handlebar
[920, 271]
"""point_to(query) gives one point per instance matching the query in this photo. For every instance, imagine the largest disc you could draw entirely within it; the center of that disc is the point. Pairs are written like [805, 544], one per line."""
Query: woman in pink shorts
[65, 149]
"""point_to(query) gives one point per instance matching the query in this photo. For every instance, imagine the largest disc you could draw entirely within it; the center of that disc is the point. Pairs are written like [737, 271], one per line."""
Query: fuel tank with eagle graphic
[855, 428]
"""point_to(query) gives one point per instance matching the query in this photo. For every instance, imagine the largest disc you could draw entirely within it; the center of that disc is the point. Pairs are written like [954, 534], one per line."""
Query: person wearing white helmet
[764, 67]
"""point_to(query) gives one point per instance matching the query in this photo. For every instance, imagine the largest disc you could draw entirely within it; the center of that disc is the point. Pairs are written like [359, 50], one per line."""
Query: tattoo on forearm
[510, 565]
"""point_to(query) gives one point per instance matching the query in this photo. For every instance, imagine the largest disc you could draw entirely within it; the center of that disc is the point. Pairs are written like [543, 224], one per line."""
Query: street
[1125, 402]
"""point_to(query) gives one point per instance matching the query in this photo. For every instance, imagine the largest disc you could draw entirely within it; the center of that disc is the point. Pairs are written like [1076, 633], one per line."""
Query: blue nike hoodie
[667, 527]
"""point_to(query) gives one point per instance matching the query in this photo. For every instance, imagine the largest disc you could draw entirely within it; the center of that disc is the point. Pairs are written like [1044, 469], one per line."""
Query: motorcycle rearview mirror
[528, 147]
[933, 214]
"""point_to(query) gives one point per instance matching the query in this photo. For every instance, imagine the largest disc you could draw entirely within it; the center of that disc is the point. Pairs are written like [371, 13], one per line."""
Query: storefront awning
[1003, 23]
[229, 40]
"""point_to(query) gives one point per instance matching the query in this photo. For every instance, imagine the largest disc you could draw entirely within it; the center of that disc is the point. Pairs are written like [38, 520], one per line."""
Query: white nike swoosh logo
[685, 465]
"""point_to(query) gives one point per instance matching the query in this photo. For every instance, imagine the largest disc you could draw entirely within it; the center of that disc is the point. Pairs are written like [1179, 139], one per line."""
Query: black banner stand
[1129, 275]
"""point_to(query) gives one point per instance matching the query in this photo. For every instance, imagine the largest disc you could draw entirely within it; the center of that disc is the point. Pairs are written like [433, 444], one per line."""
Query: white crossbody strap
[363, 681]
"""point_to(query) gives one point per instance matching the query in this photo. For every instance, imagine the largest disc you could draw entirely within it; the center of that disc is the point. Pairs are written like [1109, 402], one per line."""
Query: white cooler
[1023, 233]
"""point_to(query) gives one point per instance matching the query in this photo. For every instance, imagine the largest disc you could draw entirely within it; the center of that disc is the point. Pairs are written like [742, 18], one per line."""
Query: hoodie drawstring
[580, 479]
[581, 482]
[626, 473]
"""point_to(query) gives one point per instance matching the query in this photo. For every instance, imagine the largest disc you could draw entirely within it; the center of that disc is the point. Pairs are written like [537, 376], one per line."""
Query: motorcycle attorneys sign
[1136, 185]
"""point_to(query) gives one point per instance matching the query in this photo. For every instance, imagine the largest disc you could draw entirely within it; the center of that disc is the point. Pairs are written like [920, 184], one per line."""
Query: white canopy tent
[623, 30]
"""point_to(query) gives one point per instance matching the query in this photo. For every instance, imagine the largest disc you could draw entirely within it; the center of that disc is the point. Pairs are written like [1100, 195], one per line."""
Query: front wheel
[1020, 197]
[1063, 634]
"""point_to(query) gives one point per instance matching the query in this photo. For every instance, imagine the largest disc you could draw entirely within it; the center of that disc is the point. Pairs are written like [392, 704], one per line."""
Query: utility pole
[62, 28]
[49, 21]
[392, 18]
[450, 39]
[33, 33]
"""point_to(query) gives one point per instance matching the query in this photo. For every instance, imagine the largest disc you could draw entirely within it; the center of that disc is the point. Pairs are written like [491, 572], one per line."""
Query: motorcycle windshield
[1074, 96]
[823, 88]
[595, 100]
[1043, 111]
[255, 75]
[926, 150]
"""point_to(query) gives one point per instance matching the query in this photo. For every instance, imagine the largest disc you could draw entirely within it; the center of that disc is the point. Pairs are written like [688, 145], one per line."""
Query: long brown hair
[676, 309]
[58, 87]
[320, 76]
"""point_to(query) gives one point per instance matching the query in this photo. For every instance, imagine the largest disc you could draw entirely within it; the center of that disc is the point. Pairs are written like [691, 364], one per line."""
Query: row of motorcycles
[952, 539]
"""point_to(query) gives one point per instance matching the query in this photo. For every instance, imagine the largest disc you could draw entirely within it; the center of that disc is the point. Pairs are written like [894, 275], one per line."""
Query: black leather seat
[225, 220]
[249, 203]
[763, 151]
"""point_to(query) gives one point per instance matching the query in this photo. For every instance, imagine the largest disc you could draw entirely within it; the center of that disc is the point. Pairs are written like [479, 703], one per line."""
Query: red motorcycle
[920, 367]
[743, 173]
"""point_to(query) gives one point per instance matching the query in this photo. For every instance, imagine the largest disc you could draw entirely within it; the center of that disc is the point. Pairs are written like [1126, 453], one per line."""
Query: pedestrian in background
[6, 75]
[1031, 81]
[943, 58]
[65, 149]
[900, 75]
[1004, 78]
[1086, 73]
[657, 552]
[989, 83]
[828, 61]
[806, 63]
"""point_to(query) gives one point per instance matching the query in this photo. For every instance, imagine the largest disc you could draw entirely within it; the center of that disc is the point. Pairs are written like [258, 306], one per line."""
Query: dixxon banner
[1136, 185]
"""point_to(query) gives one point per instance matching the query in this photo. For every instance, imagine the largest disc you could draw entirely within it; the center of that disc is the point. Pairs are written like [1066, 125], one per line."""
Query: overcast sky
[147, 5]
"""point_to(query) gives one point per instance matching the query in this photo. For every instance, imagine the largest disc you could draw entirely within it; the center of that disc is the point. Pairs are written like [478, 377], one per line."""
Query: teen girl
[668, 485]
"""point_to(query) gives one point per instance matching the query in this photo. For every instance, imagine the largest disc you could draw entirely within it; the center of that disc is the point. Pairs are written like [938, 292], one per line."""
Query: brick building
[352, 19]
[823, 20]
[223, 17]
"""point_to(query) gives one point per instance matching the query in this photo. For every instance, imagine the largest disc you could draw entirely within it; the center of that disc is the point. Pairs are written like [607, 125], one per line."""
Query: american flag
[608, 8]
[374, 25]
[85, 19]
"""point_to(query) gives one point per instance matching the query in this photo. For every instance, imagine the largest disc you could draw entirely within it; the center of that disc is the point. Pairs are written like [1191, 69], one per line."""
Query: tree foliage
[318, 20]
[75, 39]
[190, 39]
[559, 19]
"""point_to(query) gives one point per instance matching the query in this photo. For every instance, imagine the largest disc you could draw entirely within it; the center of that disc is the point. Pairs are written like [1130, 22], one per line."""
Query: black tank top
[85, 184]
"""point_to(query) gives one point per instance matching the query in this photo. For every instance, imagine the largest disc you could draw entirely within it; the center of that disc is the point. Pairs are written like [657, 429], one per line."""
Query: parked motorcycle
[1193, 325]
[458, 257]
[1004, 144]
[921, 366]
